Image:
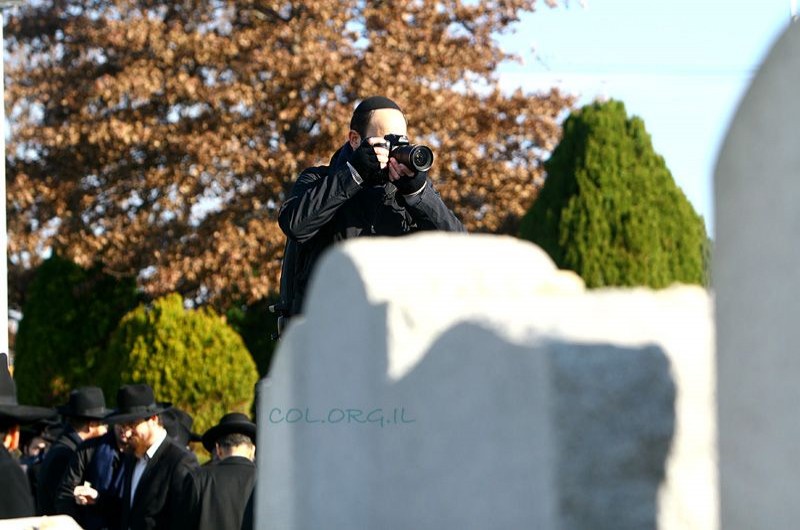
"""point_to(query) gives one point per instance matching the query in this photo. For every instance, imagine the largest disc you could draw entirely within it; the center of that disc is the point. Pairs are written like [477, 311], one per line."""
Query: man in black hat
[157, 468]
[16, 499]
[364, 191]
[83, 415]
[178, 424]
[92, 488]
[35, 441]
[218, 495]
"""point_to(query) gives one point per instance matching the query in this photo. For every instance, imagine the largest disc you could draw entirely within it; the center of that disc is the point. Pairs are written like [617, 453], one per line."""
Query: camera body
[416, 157]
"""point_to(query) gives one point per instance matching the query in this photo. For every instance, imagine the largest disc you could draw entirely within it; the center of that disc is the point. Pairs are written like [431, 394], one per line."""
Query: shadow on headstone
[602, 438]
[615, 419]
[481, 433]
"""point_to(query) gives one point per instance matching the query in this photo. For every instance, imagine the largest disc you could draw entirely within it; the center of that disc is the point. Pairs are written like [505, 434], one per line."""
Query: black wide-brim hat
[136, 402]
[232, 423]
[178, 424]
[86, 403]
[10, 409]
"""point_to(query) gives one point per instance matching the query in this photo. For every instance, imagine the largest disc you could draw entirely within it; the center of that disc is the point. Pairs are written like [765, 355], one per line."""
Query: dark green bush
[256, 324]
[610, 209]
[68, 316]
[191, 358]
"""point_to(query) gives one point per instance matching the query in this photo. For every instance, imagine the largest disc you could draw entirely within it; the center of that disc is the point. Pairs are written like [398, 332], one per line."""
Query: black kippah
[364, 110]
[375, 103]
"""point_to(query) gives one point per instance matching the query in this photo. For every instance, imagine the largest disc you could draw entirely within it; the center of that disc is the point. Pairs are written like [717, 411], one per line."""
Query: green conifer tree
[68, 316]
[610, 209]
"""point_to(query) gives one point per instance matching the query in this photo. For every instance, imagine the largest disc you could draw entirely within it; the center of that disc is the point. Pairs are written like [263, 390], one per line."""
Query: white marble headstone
[486, 390]
[757, 283]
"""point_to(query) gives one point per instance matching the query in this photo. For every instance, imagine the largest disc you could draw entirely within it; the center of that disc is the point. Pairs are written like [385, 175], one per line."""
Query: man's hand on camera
[406, 180]
[369, 160]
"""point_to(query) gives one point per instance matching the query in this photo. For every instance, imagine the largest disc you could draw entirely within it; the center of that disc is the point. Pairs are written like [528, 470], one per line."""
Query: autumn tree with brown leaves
[159, 138]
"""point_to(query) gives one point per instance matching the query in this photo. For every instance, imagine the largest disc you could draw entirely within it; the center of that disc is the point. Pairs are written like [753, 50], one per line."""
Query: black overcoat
[157, 502]
[217, 495]
[16, 499]
[52, 470]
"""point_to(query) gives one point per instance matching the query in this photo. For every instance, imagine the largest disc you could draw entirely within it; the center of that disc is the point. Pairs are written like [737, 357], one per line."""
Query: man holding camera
[376, 184]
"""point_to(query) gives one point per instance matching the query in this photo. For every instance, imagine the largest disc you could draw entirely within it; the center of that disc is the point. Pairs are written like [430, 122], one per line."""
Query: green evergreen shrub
[610, 209]
[67, 318]
[191, 357]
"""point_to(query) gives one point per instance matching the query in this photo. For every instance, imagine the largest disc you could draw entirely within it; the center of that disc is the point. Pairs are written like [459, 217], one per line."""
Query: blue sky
[680, 65]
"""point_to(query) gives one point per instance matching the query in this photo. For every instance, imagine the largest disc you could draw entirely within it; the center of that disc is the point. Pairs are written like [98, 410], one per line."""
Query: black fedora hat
[86, 402]
[136, 402]
[233, 422]
[178, 424]
[10, 409]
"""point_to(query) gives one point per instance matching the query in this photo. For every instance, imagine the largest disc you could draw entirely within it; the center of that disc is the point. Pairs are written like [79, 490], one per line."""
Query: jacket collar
[235, 461]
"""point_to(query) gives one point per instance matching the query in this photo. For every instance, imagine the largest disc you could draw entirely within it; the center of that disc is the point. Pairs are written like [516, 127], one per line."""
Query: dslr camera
[416, 157]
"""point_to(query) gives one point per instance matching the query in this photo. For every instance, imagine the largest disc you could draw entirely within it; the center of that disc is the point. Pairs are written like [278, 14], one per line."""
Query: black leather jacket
[326, 205]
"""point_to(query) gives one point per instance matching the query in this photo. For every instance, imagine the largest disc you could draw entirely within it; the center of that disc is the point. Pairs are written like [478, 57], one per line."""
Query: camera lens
[417, 157]
[421, 158]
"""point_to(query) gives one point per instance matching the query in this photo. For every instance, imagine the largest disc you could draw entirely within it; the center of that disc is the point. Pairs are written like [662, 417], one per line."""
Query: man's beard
[137, 446]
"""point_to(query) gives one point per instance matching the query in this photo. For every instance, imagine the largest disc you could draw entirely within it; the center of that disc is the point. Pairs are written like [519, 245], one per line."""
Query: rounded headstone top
[438, 265]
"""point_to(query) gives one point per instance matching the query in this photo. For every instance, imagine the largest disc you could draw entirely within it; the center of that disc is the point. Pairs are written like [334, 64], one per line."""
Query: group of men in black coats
[128, 468]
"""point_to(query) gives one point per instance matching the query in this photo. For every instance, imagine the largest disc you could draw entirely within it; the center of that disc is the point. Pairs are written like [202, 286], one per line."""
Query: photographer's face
[382, 122]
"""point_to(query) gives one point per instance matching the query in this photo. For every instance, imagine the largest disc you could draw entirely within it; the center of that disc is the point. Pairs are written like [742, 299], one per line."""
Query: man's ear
[354, 139]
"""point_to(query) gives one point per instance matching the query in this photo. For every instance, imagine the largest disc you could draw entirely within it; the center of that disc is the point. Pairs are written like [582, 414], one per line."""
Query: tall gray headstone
[757, 284]
[488, 391]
